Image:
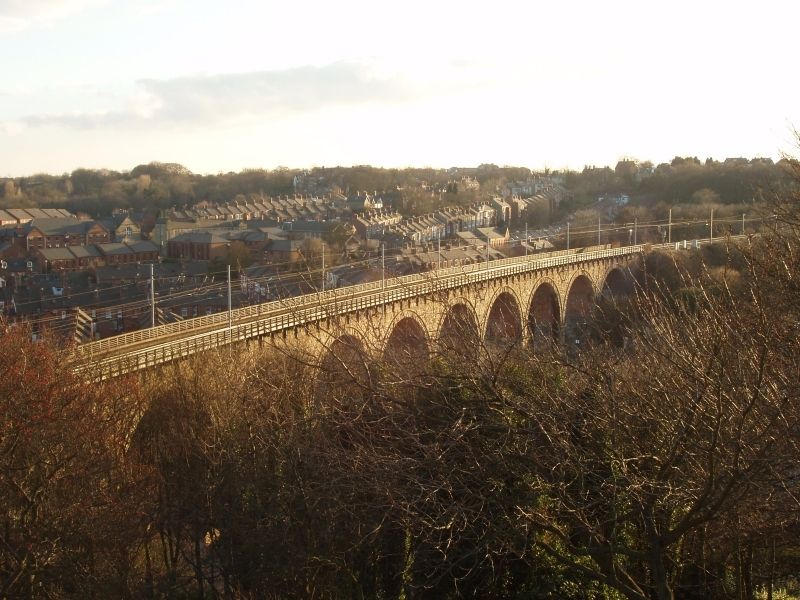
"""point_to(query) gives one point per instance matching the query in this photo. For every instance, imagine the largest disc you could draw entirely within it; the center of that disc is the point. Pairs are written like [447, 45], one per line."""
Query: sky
[225, 85]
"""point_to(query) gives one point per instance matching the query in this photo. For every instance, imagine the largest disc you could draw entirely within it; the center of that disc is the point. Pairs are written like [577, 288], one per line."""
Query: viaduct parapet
[538, 297]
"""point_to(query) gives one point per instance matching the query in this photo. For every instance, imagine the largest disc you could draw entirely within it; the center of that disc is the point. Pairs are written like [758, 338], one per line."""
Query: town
[85, 277]
[420, 301]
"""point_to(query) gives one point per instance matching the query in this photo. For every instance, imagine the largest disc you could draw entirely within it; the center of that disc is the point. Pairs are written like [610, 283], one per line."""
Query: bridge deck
[145, 348]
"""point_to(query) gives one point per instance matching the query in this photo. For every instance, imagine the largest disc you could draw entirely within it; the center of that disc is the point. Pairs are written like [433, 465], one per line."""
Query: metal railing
[130, 352]
[141, 349]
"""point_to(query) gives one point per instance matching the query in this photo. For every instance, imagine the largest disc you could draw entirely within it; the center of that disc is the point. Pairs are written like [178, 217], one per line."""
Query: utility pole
[669, 228]
[526, 239]
[230, 303]
[152, 297]
[383, 266]
[323, 266]
[567, 235]
[487, 252]
[711, 228]
[598, 231]
[635, 230]
[439, 243]
[742, 223]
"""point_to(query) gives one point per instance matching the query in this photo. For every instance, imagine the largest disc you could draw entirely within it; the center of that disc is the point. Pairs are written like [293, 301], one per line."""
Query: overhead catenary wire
[218, 287]
[55, 321]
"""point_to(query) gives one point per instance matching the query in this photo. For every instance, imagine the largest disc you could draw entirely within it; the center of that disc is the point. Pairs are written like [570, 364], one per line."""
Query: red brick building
[59, 233]
[198, 245]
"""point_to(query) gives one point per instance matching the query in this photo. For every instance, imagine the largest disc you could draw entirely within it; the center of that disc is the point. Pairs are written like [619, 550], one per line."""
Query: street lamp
[630, 237]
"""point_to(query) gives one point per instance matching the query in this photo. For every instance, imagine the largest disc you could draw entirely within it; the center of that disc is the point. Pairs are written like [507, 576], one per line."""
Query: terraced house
[70, 258]
[58, 233]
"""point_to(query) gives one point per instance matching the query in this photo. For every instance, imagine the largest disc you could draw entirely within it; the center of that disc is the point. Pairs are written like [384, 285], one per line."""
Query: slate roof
[200, 237]
[310, 226]
[37, 213]
[114, 249]
[284, 245]
[56, 254]
[61, 226]
[20, 214]
[85, 251]
[142, 246]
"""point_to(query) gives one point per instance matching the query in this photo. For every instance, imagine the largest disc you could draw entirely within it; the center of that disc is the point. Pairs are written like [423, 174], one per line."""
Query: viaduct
[534, 299]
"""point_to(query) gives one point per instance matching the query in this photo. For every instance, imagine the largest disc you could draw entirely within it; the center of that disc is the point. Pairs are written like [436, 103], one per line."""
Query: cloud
[11, 127]
[214, 99]
[289, 90]
[154, 7]
[23, 9]
[18, 15]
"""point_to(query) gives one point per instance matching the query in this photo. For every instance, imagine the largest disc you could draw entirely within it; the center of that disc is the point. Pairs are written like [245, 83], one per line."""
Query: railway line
[129, 352]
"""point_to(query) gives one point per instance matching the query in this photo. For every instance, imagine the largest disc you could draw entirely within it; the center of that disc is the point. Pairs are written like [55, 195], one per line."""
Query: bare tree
[69, 500]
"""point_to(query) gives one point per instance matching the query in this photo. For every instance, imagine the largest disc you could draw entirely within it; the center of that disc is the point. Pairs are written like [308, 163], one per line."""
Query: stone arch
[343, 367]
[504, 319]
[406, 350]
[609, 319]
[544, 315]
[578, 307]
[616, 284]
[458, 332]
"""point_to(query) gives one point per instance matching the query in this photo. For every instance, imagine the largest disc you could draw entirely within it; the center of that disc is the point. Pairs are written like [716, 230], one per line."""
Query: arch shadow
[578, 311]
[617, 284]
[459, 336]
[343, 369]
[544, 316]
[504, 321]
[407, 351]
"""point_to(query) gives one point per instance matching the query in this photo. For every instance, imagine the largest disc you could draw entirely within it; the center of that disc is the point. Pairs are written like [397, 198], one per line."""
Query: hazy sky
[225, 85]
